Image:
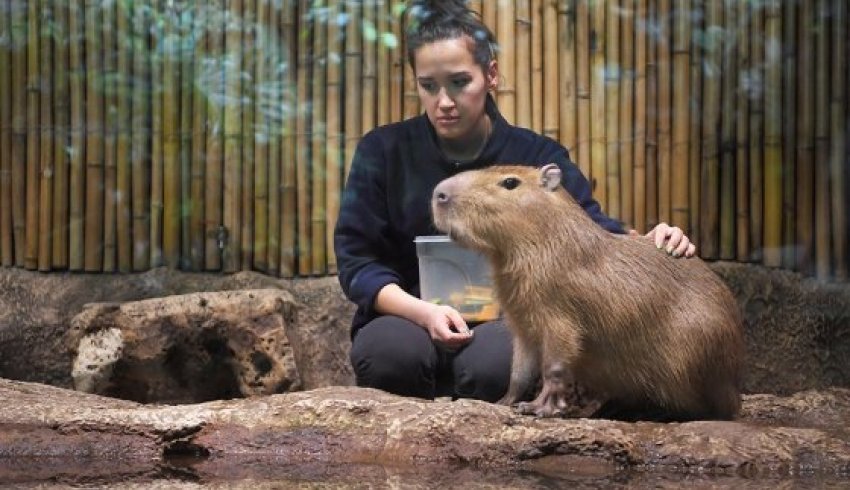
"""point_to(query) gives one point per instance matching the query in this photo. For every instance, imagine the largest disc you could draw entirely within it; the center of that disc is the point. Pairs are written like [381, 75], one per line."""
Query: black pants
[398, 356]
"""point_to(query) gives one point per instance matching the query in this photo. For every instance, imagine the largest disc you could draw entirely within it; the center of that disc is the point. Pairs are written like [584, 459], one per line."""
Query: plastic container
[452, 275]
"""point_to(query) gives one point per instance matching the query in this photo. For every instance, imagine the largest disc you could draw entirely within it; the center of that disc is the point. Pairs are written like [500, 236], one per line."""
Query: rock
[797, 329]
[36, 310]
[776, 438]
[186, 348]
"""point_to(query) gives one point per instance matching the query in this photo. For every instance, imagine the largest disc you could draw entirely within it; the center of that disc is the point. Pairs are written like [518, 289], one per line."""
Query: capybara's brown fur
[632, 324]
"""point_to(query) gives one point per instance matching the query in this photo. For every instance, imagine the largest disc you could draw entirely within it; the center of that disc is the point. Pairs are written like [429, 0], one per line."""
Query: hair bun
[435, 10]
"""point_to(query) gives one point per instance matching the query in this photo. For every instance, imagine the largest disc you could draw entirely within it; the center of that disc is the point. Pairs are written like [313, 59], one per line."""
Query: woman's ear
[493, 75]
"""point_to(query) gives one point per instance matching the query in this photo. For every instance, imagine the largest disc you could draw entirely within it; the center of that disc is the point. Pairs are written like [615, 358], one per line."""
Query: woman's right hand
[445, 326]
[443, 323]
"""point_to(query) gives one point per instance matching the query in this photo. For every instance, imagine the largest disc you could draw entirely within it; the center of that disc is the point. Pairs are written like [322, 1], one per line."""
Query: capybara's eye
[510, 183]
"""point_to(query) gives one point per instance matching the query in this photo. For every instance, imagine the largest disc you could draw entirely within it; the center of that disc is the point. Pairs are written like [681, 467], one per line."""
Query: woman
[400, 343]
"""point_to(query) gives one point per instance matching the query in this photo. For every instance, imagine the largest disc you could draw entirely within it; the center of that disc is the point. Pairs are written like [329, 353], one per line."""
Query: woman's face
[453, 88]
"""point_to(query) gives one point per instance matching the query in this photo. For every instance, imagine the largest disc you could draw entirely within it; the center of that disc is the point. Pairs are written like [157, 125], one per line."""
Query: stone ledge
[775, 437]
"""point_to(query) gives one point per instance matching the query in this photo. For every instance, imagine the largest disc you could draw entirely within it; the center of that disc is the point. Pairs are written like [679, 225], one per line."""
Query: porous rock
[36, 310]
[797, 328]
[186, 348]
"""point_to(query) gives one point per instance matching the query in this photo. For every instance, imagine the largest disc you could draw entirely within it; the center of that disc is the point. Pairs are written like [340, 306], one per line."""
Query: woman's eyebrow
[462, 73]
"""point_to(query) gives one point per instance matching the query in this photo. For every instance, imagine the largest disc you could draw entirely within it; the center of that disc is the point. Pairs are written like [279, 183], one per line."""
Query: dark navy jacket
[386, 201]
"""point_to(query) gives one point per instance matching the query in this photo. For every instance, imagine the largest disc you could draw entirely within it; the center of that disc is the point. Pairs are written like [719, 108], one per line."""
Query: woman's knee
[394, 355]
[482, 370]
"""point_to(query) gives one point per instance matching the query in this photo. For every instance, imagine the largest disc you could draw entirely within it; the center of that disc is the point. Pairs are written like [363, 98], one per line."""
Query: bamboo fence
[217, 135]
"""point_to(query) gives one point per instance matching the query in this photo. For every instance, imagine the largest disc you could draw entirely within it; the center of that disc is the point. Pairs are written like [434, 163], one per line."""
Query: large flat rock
[776, 437]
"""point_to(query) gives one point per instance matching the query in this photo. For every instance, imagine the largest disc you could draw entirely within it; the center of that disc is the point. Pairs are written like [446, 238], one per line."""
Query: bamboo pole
[18, 23]
[248, 133]
[384, 63]
[275, 112]
[7, 251]
[552, 80]
[582, 144]
[695, 128]
[368, 79]
[742, 217]
[77, 169]
[410, 102]
[626, 103]
[262, 134]
[506, 34]
[215, 233]
[711, 124]
[289, 157]
[397, 62]
[142, 138]
[123, 156]
[93, 252]
[337, 136]
[680, 212]
[538, 32]
[613, 72]
[727, 134]
[359, 111]
[805, 139]
[567, 75]
[157, 50]
[283, 230]
[33, 137]
[46, 137]
[664, 112]
[788, 33]
[232, 253]
[489, 10]
[598, 154]
[756, 118]
[773, 195]
[61, 105]
[651, 164]
[838, 138]
[522, 27]
[823, 220]
[200, 85]
[186, 55]
[640, 129]
[110, 132]
[305, 73]
[318, 213]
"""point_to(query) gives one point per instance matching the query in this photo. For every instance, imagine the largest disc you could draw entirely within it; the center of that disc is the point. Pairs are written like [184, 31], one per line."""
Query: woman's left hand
[672, 239]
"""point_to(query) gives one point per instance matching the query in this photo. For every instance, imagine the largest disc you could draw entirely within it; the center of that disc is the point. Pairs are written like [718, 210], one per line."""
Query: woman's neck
[470, 148]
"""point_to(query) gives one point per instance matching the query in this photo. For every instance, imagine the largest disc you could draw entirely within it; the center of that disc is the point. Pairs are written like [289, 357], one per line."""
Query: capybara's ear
[550, 176]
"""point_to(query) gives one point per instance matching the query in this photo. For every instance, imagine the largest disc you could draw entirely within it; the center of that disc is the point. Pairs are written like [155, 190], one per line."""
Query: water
[264, 472]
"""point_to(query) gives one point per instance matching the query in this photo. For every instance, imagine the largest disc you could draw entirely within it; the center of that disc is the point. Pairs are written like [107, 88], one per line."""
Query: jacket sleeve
[578, 186]
[360, 242]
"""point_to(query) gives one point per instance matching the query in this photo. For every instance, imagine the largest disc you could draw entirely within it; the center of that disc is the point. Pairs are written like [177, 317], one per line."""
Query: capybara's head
[501, 207]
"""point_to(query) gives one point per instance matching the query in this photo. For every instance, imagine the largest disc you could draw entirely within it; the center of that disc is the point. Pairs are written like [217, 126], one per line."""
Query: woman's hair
[438, 20]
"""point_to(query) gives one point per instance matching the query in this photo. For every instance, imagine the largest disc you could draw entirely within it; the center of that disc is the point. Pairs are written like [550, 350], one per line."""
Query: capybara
[652, 336]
